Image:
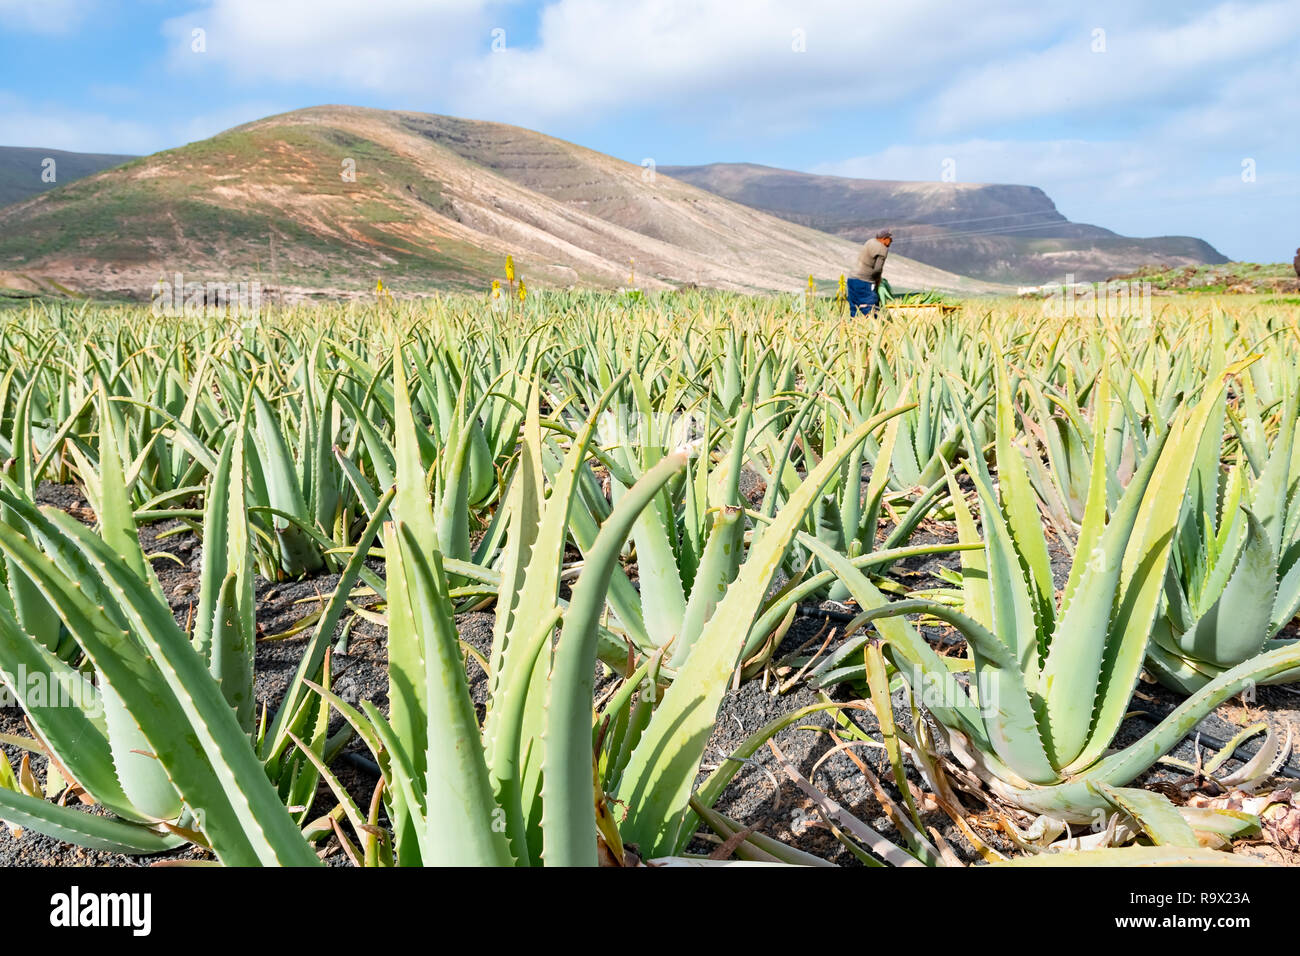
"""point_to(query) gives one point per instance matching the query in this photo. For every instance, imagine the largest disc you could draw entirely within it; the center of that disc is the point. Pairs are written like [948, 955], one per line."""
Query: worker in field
[1296, 262]
[863, 287]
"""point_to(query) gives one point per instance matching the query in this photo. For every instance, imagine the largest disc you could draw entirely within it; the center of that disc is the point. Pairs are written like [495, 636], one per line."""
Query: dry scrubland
[598, 578]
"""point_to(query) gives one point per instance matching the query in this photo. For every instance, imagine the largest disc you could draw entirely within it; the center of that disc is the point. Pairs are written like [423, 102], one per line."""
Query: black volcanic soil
[760, 795]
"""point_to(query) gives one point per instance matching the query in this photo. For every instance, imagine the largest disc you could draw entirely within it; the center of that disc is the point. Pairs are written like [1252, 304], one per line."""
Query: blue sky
[1150, 118]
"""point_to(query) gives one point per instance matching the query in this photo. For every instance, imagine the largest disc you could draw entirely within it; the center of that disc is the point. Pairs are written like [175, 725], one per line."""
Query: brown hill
[1000, 233]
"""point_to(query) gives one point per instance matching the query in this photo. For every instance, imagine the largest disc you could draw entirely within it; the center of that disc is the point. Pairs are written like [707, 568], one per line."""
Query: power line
[1000, 232]
[1009, 215]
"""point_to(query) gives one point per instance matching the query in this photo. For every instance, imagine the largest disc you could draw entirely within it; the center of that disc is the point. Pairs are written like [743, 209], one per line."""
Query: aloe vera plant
[104, 733]
[161, 738]
[1234, 581]
[1052, 682]
[537, 783]
[689, 543]
[457, 794]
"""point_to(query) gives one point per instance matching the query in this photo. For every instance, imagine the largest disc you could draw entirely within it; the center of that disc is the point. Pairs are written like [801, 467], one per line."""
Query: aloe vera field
[667, 578]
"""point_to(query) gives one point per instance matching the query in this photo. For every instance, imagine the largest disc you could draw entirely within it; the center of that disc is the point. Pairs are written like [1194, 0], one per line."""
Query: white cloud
[730, 67]
[390, 46]
[1243, 117]
[592, 57]
[1141, 66]
[1254, 106]
[738, 67]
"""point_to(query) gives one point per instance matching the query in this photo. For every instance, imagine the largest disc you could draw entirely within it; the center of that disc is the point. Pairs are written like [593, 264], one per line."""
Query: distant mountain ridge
[1001, 233]
[23, 169]
[327, 199]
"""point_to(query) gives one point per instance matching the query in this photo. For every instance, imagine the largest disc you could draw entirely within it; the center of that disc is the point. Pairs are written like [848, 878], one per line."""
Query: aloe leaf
[216, 527]
[284, 491]
[144, 780]
[524, 502]
[540, 590]
[226, 631]
[718, 568]
[877, 484]
[1012, 609]
[76, 734]
[654, 787]
[568, 798]
[977, 600]
[1229, 824]
[1235, 627]
[1153, 813]
[1121, 767]
[407, 689]
[1095, 505]
[1024, 521]
[68, 825]
[116, 517]
[457, 791]
[451, 512]
[624, 599]
[1071, 673]
[512, 710]
[188, 727]
[380, 452]
[663, 600]
[1134, 856]
[756, 847]
[1142, 576]
[231, 663]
